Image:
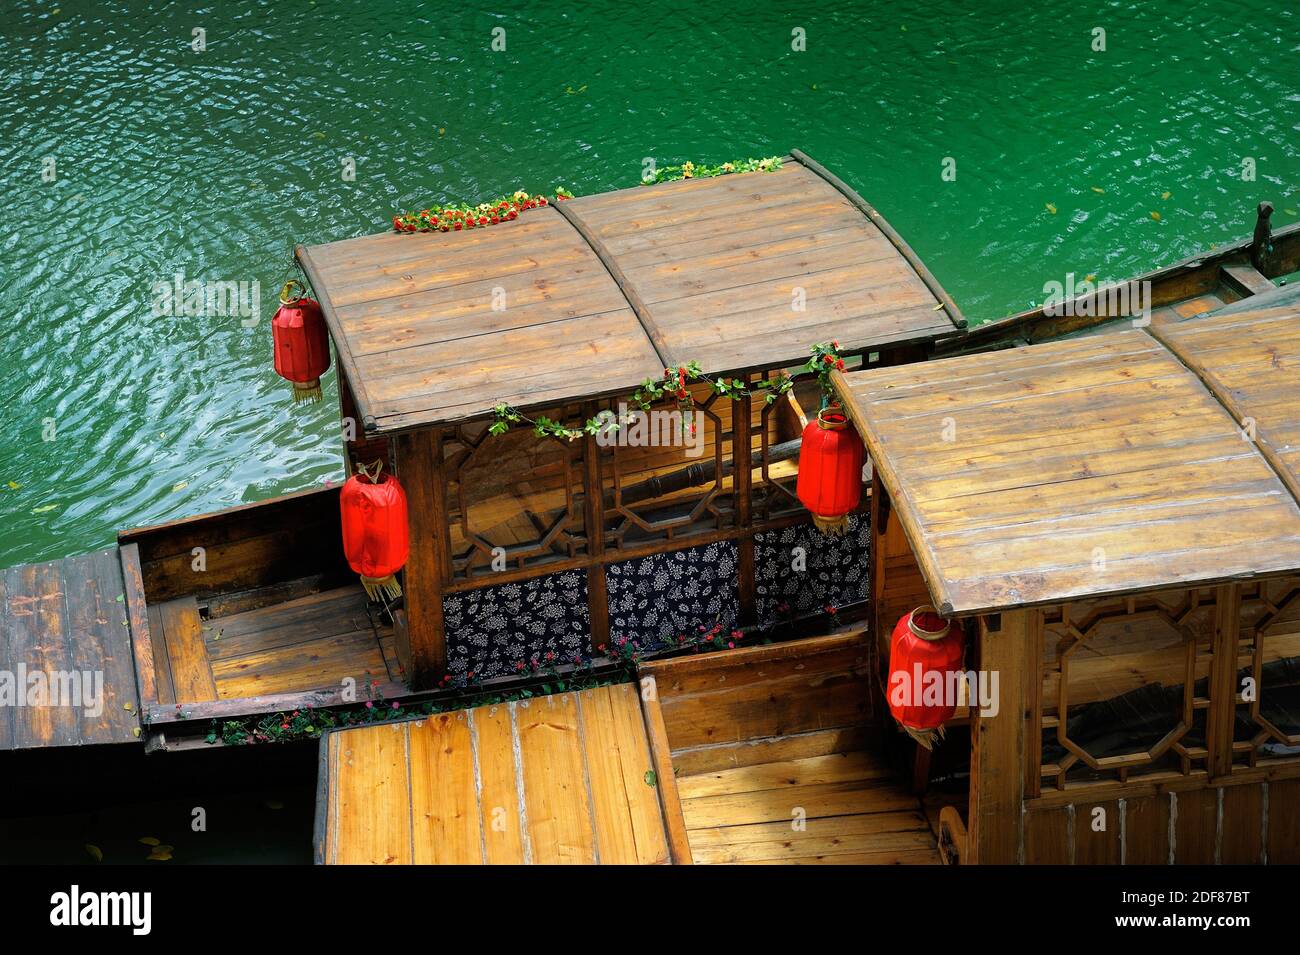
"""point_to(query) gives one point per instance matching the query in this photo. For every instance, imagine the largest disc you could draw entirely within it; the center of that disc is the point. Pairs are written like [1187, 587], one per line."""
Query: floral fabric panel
[653, 600]
[836, 569]
[491, 630]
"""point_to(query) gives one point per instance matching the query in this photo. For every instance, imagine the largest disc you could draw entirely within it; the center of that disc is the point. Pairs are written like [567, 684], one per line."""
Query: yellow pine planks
[499, 792]
[446, 827]
[373, 797]
[555, 780]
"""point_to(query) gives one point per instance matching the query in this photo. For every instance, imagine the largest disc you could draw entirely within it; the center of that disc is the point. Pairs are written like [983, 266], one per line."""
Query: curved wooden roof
[591, 296]
[1111, 464]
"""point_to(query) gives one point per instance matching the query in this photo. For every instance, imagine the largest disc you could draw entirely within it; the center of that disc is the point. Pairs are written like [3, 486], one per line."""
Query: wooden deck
[312, 642]
[59, 618]
[772, 748]
[560, 779]
[842, 806]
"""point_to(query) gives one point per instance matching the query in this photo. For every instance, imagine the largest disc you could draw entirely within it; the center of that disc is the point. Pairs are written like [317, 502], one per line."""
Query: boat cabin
[550, 547]
[1115, 520]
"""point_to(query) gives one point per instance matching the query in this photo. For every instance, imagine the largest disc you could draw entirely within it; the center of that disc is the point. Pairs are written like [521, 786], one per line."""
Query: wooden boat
[524, 546]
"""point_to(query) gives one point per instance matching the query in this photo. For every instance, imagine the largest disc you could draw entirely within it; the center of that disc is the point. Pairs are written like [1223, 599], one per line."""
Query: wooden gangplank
[562, 779]
[67, 676]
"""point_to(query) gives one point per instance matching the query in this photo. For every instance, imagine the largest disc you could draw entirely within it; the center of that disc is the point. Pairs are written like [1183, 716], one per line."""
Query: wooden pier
[66, 623]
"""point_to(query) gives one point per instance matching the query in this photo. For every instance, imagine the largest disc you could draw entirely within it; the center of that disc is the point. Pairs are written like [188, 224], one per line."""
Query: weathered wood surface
[590, 301]
[1063, 470]
[241, 548]
[1251, 361]
[770, 749]
[57, 619]
[317, 641]
[561, 779]
[314, 642]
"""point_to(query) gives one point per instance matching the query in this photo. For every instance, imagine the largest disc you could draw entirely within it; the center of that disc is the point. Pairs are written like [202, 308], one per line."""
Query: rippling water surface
[213, 163]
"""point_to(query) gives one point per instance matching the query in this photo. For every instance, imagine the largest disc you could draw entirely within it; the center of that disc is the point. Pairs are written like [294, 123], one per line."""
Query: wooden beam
[679, 843]
[997, 776]
[741, 476]
[658, 341]
[422, 643]
[1246, 281]
[1260, 243]
[1222, 717]
[138, 621]
[594, 517]
[897, 241]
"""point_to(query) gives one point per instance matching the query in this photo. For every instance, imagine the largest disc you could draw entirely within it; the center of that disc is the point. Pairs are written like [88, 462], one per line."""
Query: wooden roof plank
[1087, 467]
[605, 291]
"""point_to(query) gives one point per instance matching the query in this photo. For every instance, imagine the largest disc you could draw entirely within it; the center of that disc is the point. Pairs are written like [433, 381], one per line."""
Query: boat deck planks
[311, 642]
[561, 779]
[841, 807]
[1012, 471]
[62, 617]
[771, 750]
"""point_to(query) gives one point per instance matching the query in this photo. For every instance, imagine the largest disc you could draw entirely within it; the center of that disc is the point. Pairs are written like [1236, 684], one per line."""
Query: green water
[213, 163]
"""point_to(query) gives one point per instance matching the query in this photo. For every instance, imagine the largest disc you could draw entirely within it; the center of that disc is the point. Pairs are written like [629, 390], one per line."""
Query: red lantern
[375, 534]
[925, 654]
[302, 349]
[830, 470]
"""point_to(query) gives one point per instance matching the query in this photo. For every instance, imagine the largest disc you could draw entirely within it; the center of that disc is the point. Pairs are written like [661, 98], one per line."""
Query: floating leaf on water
[1051, 208]
[1098, 190]
[318, 135]
[158, 855]
[1291, 212]
[95, 852]
[45, 508]
[150, 841]
[1156, 216]
[180, 486]
[14, 485]
[1165, 195]
[1090, 277]
[442, 130]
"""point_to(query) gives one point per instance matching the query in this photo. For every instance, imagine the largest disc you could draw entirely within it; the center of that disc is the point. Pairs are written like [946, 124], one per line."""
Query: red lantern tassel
[306, 392]
[385, 586]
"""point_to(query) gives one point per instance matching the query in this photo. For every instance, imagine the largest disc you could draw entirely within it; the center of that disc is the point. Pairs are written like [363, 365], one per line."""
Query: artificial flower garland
[688, 170]
[461, 216]
[825, 358]
[456, 218]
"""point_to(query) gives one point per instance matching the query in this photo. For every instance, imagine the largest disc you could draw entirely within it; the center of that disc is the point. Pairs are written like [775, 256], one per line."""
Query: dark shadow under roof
[591, 297]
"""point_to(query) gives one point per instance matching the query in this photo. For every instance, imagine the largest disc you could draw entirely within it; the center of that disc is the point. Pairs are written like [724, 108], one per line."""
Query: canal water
[143, 144]
[129, 156]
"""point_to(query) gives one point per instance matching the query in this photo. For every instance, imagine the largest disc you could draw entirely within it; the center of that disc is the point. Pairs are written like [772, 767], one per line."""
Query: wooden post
[997, 774]
[741, 479]
[1262, 241]
[1222, 717]
[422, 643]
[594, 518]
